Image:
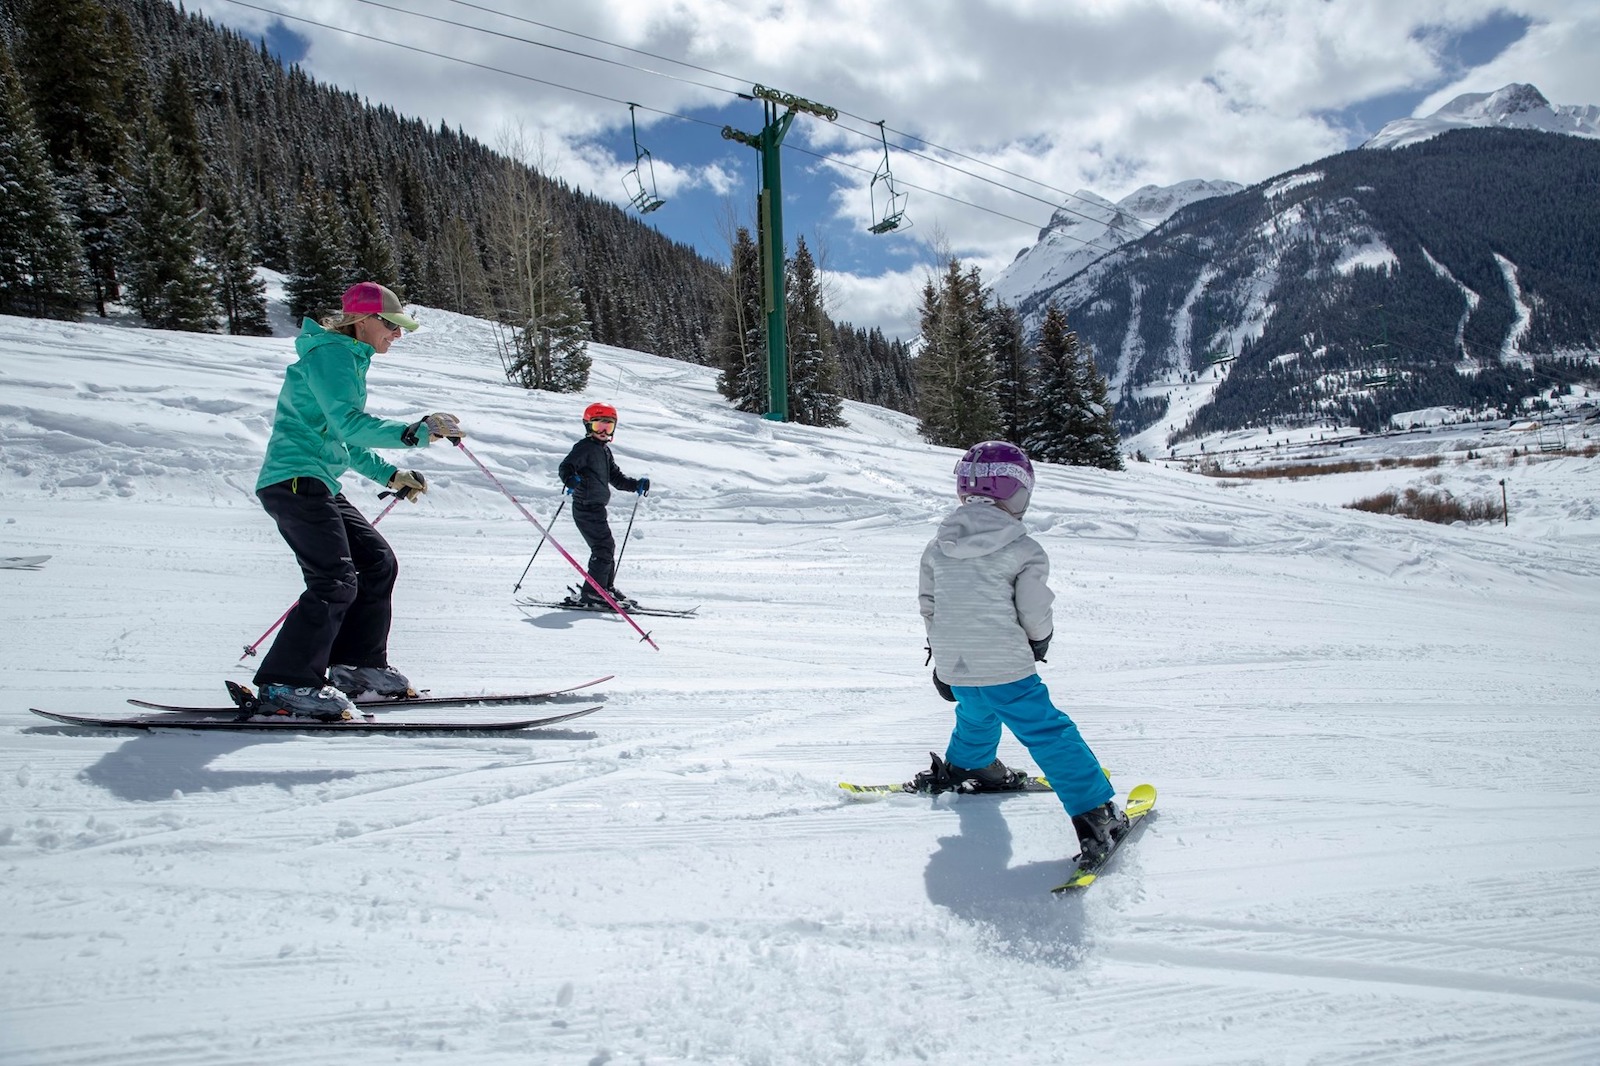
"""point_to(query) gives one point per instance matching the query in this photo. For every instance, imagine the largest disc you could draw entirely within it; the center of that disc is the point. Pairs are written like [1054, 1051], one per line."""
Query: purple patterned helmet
[998, 470]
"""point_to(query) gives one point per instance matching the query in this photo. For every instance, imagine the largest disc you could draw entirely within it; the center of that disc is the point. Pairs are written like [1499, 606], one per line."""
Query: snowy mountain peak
[1511, 100]
[1090, 226]
[1515, 106]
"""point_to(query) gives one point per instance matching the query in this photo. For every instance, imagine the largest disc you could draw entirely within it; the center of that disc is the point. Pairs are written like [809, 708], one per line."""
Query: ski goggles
[603, 422]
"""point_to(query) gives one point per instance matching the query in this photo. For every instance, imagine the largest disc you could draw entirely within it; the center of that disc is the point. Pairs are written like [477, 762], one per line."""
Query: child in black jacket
[590, 473]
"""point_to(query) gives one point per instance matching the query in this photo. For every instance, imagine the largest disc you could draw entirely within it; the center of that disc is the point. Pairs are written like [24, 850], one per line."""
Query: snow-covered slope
[1375, 740]
[1514, 106]
[1090, 226]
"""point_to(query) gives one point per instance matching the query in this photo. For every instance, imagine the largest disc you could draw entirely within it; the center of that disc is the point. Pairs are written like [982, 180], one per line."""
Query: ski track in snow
[1375, 743]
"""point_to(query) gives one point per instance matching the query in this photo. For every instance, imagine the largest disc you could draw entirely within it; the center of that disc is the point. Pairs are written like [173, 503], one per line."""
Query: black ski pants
[596, 529]
[343, 615]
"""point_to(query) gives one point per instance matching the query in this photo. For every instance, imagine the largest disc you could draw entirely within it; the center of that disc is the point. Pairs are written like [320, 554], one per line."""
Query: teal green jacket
[321, 427]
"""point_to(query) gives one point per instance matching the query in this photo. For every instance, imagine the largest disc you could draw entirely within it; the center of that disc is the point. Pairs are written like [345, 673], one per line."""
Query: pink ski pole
[250, 649]
[564, 553]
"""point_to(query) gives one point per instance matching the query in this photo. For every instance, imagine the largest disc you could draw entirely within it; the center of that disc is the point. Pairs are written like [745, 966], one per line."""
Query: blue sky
[1019, 103]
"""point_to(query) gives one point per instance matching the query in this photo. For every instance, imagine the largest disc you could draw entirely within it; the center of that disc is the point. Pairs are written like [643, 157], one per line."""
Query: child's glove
[644, 487]
[1040, 647]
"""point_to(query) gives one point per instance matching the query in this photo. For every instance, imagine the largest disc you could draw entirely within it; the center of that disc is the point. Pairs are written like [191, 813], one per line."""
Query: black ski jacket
[591, 473]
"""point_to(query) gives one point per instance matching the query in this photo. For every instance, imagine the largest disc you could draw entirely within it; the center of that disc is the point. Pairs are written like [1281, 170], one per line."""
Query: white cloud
[1105, 95]
[1557, 55]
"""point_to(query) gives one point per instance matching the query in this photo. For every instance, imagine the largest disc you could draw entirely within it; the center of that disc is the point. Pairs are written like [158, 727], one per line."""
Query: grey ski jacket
[984, 593]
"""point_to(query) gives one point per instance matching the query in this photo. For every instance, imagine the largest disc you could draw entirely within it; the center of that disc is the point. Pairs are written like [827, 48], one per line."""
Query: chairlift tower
[769, 228]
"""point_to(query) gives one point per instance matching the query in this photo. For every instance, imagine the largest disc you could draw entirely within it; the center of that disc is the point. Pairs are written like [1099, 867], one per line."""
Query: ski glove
[1040, 648]
[408, 484]
[943, 689]
[644, 487]
[436, 425]
[442, 425]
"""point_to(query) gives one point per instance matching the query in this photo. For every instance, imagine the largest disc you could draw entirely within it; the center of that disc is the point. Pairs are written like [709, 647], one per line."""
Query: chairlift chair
[894, 203]
[641, 195]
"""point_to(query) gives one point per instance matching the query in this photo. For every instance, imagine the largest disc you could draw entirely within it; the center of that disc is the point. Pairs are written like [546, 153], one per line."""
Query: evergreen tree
[78, 62]
[1014, 386]
[41, 261]
[553, 339]
[455, 275]
[539, 298]
[1102, 447]
[813, 370]
[168, 283]
[175, 109]
[413, 270]
[1058, 411]
[741, 337]
[241, 295]
[321, 268]
[955, 369]
[99, 208]
[370, 245]
[1072, 417]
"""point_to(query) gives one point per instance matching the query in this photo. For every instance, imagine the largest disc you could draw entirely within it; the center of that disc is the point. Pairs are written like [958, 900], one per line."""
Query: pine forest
[157, 159]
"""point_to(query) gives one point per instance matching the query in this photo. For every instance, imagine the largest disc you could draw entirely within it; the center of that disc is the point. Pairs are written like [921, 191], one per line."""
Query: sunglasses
[392, 327]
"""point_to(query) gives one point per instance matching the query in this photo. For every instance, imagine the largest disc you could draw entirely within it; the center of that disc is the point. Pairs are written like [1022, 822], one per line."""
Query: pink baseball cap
[370, 298]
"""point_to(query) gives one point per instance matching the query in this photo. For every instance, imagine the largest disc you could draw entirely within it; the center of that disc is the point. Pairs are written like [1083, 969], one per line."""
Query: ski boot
[947, 777]
[1098, 831]
[322, 704]
[378, 682]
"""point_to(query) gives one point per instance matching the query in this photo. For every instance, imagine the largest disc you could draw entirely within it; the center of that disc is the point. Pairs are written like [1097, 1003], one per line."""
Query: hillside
[1451, 273]
[1359, 726]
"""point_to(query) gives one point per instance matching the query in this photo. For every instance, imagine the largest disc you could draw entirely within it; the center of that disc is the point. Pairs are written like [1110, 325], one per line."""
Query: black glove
[644, 487]
[944, 689]
[1040, 647]
[573, 482]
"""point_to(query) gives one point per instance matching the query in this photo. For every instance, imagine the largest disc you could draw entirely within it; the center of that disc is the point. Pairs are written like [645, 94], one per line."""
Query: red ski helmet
[998, 470]
[597, 411]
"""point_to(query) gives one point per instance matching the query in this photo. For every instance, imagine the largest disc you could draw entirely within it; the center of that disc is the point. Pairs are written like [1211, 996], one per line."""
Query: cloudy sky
[995, 111]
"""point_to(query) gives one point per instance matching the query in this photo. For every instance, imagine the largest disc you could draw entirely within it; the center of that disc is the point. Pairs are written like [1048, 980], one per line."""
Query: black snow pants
[344, 614]
[592, 522]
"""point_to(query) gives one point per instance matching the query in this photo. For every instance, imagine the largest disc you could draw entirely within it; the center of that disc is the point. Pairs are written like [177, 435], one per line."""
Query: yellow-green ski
[1034, 784]
[1140, 807]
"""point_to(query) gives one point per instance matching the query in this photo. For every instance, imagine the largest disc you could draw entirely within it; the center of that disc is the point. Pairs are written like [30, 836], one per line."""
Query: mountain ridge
[1351, 288]
[1514, 106]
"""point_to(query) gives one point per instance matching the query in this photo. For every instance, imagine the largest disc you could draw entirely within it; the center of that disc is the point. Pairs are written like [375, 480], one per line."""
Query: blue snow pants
[1049, 735]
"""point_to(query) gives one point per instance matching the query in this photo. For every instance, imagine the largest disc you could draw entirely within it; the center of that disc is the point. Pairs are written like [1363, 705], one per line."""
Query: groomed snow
[1375, 742]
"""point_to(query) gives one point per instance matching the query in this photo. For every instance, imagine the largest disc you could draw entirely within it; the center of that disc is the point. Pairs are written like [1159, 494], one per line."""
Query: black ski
[276, 723]
[23, 562]
[573, 604]
[244, 699]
